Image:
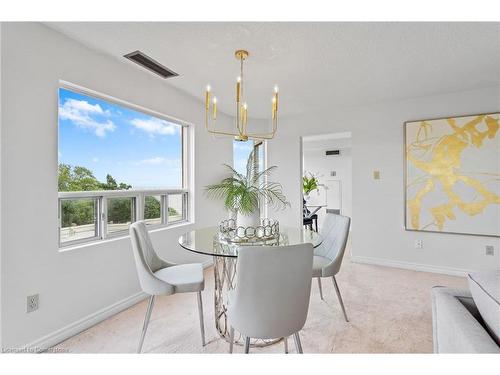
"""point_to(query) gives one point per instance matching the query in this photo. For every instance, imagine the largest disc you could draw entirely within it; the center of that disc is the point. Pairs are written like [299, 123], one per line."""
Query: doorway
[327, 176]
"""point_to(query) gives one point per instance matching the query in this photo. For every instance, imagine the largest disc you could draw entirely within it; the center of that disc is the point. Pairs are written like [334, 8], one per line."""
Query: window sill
[101, 242]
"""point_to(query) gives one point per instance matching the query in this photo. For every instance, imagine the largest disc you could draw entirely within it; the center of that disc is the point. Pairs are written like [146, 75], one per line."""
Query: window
[78, 219]
[120, 213]
[175, 207]
[152, 209]
[241, 152]
[117, 164]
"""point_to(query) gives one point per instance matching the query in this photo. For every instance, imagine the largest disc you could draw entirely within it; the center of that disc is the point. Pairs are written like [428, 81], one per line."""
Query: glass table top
[207, 241]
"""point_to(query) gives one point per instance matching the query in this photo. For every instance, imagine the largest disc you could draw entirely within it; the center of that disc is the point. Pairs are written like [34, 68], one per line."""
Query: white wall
[73, 284]
[1, 239]
[77, 283]
[378, 233]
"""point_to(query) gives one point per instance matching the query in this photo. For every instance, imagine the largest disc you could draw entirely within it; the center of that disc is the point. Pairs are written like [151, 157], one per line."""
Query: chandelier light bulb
[214, 108]
[208, 88]
[238, 79]
[276, 89]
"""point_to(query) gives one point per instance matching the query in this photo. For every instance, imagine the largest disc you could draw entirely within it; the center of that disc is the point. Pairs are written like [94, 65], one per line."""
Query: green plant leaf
[244, 193]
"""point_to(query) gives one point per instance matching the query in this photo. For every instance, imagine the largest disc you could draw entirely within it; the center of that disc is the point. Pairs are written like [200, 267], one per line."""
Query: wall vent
[147, 62]
[332, 152]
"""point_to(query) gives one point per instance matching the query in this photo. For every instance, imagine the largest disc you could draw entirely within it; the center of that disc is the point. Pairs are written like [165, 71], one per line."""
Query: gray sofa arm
[457, 325]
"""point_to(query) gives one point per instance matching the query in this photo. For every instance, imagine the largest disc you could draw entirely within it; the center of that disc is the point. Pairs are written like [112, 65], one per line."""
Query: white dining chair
[271, 297]
[159, 277]
[328, 256]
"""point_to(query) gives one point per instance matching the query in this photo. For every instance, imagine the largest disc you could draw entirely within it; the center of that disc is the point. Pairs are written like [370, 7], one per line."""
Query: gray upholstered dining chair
[158, 277]
[271, 297]
[328, 256]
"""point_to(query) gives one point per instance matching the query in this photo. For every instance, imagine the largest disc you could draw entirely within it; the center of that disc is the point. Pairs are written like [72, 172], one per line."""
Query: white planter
[251, 220]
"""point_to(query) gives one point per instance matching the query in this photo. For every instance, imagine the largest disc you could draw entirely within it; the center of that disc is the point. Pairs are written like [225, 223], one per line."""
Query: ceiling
[318, 66]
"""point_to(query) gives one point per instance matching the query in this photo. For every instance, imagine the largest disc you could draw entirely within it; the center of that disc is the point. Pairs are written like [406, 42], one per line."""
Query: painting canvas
[452, 175]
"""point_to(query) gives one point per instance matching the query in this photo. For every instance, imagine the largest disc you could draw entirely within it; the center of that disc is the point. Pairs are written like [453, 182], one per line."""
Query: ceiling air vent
[147, 62]
[332, 152]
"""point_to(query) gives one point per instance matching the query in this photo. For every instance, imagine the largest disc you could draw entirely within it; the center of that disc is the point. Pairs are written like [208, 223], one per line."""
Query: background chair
[271, 298]
[328, 256]
[158, 277]
[308, 220]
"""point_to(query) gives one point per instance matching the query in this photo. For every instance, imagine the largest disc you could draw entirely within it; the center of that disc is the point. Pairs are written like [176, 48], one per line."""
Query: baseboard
[81, 325]
[410, 266]
[72, 329]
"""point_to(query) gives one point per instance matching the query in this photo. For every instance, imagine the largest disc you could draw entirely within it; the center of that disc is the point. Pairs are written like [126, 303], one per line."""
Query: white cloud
[155, 126]
[158, 160]
[84, 106]
[95, 160]
[80, 112]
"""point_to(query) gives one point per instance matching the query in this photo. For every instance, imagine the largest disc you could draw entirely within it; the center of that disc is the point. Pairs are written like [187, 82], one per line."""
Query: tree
[110, 183]
[152, 208]
[124, 186]
[83, 211]
[77, 212]
[119, 210]
[82, 179]
[64, 177]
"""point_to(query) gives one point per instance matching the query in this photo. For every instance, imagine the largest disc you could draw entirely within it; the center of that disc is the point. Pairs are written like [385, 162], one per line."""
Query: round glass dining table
[208, 241]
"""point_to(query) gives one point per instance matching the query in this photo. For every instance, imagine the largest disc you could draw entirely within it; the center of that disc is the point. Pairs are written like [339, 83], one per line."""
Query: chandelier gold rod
[241, 110]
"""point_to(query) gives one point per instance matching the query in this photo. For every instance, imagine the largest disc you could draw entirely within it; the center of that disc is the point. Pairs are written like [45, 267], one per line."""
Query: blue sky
[135, 148]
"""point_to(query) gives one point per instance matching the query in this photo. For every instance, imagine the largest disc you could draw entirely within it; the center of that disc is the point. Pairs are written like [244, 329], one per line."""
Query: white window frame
[137, 195]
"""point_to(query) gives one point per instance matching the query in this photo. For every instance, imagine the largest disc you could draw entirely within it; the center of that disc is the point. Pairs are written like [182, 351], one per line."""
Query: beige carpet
[389, 311]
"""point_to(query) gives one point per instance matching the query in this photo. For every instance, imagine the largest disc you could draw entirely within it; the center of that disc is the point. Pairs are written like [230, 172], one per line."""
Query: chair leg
[316, 225]
[320, 288]
[247, 345]
[231, 340]
[146, 322]
[285, 341]
[337, 290]
[298, 345]
[200, 313]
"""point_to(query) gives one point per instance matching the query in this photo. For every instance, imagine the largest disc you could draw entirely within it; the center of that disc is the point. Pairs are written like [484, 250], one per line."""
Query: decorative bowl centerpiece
[267, 230]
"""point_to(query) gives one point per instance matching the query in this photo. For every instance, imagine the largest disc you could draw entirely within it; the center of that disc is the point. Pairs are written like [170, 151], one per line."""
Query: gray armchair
[328, 256]
[159, 277]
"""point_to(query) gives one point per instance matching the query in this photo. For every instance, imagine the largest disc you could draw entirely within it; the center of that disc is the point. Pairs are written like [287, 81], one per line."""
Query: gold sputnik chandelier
[241, 117]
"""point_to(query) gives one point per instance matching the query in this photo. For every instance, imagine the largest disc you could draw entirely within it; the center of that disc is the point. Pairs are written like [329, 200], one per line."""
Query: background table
[313, 208]
[207, 241]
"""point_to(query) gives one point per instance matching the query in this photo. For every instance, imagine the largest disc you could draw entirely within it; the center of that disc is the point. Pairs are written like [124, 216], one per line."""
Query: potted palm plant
[244, 194]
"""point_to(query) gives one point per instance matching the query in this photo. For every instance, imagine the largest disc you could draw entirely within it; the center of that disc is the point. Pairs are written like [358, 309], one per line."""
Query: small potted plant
[244, 194]
[309, 184]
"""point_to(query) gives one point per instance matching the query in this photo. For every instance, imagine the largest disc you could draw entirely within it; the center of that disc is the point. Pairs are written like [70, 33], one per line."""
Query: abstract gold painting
[452, 175]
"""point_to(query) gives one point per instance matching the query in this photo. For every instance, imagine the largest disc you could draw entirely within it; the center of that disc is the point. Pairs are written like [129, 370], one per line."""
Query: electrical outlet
[32, 303]
[490, 250]
[419, 244]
